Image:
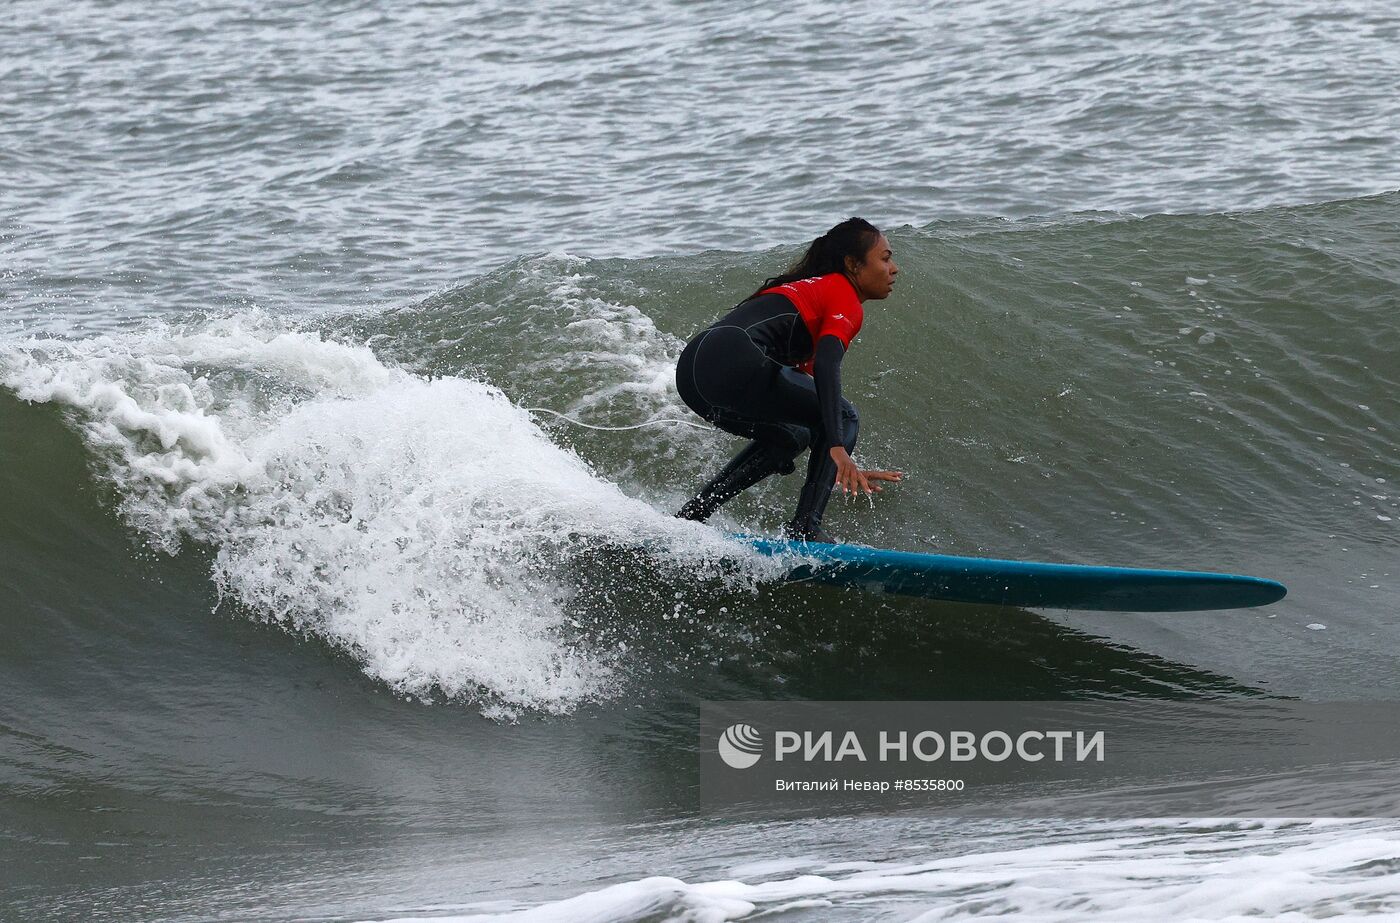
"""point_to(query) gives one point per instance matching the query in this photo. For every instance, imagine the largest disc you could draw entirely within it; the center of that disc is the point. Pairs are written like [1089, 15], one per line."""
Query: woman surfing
[770, 371]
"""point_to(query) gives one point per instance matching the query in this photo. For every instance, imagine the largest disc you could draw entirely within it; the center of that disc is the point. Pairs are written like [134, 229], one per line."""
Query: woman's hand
[852, 479]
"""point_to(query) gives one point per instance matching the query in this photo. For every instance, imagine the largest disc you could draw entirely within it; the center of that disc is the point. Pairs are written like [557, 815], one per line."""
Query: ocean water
[308, 614]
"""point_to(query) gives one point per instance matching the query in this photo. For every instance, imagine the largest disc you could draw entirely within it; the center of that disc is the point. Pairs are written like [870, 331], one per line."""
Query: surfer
[770, 371]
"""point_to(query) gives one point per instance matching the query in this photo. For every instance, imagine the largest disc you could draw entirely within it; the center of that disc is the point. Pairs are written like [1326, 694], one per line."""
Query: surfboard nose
[1027, 584]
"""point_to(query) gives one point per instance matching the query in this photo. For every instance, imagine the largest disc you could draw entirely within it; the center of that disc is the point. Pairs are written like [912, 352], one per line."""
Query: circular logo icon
[740, 746]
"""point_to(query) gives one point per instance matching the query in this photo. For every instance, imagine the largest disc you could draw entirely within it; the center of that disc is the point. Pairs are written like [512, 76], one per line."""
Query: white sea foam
[1167, 871]
[622, 367]
[418, 525]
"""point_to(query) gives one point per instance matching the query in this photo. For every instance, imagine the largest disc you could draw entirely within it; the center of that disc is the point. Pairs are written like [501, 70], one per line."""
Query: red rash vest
[828, 305]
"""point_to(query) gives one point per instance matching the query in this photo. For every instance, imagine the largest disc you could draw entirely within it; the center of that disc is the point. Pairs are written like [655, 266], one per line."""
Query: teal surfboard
[1017, 583]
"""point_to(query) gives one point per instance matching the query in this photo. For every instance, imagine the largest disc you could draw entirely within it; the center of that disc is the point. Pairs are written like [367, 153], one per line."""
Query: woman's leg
[723, 377]
[754, 462]
[806, 523]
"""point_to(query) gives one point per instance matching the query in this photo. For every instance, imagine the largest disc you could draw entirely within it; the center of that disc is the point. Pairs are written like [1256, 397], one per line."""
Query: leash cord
[614, 429]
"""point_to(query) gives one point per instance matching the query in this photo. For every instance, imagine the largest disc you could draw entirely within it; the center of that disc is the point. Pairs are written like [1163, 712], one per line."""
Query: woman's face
[874, 278]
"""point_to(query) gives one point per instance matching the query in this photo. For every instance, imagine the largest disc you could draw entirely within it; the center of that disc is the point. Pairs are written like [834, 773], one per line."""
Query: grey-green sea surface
[305, 616]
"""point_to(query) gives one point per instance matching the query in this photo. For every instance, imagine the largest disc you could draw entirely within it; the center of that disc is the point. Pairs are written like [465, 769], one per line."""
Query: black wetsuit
[740, 374]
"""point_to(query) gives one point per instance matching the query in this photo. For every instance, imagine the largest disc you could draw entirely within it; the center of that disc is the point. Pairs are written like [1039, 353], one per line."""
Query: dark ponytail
[827, 254]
